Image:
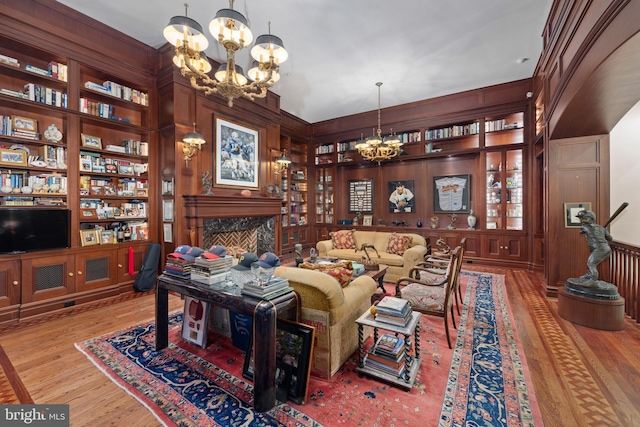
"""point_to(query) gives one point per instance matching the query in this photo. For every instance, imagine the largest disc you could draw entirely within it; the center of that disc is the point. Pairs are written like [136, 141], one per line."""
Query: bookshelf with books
[43, 85]
[294, 182]
[452, 137]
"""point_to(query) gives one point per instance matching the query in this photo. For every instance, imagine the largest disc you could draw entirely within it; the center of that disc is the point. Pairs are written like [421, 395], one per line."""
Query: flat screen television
[26, 229]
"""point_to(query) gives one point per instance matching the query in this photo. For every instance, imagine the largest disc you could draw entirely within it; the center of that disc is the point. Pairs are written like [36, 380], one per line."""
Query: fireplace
[248, 222]
[256, 234]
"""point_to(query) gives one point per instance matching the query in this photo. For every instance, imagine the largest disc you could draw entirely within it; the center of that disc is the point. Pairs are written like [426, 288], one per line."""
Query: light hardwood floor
[581, 376]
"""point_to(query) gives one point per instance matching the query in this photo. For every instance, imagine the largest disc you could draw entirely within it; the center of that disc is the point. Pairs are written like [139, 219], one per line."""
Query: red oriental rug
[482, 381]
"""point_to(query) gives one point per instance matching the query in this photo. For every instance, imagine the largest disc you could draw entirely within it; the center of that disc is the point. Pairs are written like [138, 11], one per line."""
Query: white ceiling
[338, 50]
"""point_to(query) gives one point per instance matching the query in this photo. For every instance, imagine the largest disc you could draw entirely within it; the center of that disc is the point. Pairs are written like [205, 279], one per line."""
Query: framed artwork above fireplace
[236, 155]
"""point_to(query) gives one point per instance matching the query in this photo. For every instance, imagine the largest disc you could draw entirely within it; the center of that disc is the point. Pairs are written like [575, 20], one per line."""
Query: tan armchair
[333, 310]
[430, 292]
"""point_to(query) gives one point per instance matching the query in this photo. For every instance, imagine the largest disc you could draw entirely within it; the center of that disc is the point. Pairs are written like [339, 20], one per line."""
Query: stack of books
[395, 311]
[387, 355]
[277, 286]
[211, 271]
[177, 267]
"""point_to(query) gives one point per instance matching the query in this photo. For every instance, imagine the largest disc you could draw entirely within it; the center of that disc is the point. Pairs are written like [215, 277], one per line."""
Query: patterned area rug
[188, 386]
[489, 383]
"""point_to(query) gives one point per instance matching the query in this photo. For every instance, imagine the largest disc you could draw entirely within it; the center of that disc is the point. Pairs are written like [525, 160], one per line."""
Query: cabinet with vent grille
[60, 281]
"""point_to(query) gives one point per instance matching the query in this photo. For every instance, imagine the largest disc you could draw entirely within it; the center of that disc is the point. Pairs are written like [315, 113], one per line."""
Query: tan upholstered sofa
[333, 310]
[399, 265]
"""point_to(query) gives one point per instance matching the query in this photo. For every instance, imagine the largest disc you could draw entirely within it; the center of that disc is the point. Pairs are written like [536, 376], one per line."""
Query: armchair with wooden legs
[441, 262]
[431, 292]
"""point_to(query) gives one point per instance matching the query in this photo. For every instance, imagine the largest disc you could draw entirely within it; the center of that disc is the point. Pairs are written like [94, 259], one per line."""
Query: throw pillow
[343, 239]
[341, 271]
[398, 244]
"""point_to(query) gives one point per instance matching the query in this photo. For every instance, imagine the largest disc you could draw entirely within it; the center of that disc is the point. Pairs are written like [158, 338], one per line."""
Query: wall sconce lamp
[281, 163]
[191, 144]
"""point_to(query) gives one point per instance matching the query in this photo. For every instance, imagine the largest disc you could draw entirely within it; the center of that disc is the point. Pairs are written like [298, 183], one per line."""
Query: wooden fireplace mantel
[200, 207]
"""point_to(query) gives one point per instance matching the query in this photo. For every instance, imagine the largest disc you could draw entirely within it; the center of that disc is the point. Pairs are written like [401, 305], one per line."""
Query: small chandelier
[231, 30]
[376, 148]
[191, 144]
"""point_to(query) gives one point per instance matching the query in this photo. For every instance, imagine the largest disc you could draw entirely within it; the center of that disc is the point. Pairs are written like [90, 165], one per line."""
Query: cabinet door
[123, 262]
[47, 277]
[504, 196]
[9, 289]
[322, 233]
[503, 247]
[95, 269]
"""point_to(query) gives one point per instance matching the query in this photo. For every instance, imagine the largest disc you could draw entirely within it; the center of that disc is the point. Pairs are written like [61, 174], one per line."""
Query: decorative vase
[6, 189]
[471, 220]
[419, 224]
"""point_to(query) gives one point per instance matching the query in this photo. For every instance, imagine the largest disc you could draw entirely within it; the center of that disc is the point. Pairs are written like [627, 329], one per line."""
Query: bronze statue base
[598, 289]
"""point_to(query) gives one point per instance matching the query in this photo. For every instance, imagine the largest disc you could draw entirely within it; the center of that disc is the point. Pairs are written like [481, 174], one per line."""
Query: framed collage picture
[236, 155]
[361, 196]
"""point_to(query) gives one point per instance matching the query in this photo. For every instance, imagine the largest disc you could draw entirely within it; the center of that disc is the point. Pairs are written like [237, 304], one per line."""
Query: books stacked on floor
[211, 271]
[387, 355]
[179, 262]
[274, 288]
[395, 311]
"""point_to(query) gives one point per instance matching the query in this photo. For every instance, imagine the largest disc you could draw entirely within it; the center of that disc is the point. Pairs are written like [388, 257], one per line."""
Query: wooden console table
[264, 327]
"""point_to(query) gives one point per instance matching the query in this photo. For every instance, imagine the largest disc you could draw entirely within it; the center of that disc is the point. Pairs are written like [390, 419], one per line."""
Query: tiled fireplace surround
[234, 221]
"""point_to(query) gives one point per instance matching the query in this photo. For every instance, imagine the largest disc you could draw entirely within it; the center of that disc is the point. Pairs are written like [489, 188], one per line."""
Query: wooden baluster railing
[625, 274]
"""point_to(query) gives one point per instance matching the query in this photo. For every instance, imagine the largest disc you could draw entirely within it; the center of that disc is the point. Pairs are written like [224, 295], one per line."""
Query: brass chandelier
[231, 30]
[376, 148]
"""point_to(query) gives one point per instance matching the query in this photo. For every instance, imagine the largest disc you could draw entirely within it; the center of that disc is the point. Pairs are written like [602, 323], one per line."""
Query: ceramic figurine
[419, 224]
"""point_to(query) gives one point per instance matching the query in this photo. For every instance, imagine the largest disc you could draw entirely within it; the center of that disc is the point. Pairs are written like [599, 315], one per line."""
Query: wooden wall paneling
[578, 172]
[36, 21]
[593, 52]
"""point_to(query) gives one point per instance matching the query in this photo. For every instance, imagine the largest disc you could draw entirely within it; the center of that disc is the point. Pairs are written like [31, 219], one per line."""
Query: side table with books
[392, 357]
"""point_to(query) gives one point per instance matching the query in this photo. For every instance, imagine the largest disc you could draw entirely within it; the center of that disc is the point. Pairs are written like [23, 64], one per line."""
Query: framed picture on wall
[236, 155]
[401, 196]
[451, 193]
[571, 210]
[361, 196]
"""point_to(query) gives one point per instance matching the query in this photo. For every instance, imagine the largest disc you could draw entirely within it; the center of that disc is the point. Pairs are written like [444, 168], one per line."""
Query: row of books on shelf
[119, 91]
[45, 95]
[33, 201]
[54, 69]
[453, 131]
[501, 124]
[387, 355]
[130, 146]
[100, 109]
[392, 310]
